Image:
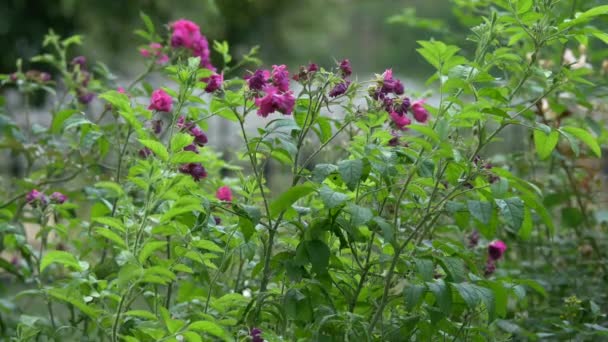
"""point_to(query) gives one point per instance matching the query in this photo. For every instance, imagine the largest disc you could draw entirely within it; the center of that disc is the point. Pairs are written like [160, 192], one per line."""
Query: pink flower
[390, 84]
[275, 101]
[496, 249]
[224, 194]
[58, 197]
[162, 59]
[214, 82]
[35, 197]
[345, 68]
[280, 77]
[187, 34]
[184, 33]
[144, 53]
[160, 101]
[400, 120]
[420, 113]
[121, 90]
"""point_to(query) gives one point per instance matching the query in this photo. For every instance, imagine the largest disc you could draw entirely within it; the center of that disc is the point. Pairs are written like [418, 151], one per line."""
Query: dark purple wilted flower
[85, 96]
[145, 152]
[312, 67]
[196, 170]
[490, 268]
[192, 148]
[256, 335]
[258, 80]
[214, 82]
[80, 61]
[473, 238]
[157, 126]
[58, 197]
[345, 68]
[200, 138]
[339, 89]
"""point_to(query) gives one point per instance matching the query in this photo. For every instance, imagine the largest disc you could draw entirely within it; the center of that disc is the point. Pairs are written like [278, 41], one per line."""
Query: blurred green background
[292, 32]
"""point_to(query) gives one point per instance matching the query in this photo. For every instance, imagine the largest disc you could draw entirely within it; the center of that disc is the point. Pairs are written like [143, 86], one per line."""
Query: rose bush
[394, 225]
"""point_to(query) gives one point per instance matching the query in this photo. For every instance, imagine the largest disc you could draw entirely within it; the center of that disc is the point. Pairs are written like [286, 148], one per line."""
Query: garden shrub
[394, 224]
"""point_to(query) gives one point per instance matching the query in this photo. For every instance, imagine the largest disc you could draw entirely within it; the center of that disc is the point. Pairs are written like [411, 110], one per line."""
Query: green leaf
[442, 293]
[321, 171]
[59, 119]
[110, 235]
[332, 198]
[454, 267]
[318, 255]
[60, 257]
[209, 328]
[481, 210]
[526, 227]
[110, 222]
[185, 157]
[208, 245]
[351, 172]
[475, 295]
[72, 298]
[141, 314]
[159, 149]
[147, 22]
[181, 140]
[545, 143]
[289, 197]
[512, 209]
[425, 268]
[413, 295]
[585, 137]
[359, 215]
[149, 248]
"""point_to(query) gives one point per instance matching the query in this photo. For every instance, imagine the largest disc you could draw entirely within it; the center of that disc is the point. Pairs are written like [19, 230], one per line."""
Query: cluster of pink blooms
[271, 90]
[36, 197]
[389, 90]
[155, 50]
[214, 82]
[496, 249]
[187, 34]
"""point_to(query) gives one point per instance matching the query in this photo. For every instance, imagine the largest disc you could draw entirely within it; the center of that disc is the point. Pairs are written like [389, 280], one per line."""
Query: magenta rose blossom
[496, 249]
[224, 194]
[400, 120]
[187, 34]
[345, 68]
[280, 77]
[35, 196]
[214, 82]
[275, 101]
[160, 101]
[420, 113]
[58, 197]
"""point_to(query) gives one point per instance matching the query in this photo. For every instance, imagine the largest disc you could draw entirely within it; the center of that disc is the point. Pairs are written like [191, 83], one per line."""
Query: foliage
[390, 228]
